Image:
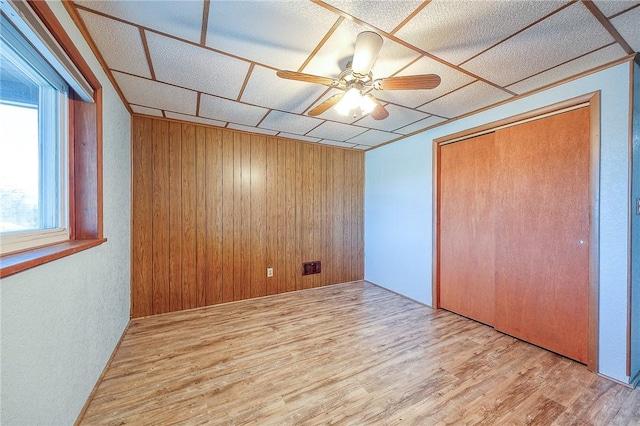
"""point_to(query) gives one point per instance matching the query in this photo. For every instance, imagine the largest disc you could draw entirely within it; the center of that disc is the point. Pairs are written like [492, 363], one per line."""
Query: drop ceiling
[215, 62]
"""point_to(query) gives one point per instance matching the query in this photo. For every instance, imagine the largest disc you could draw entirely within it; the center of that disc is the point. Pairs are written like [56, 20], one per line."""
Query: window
[57, 187]
[33, 167]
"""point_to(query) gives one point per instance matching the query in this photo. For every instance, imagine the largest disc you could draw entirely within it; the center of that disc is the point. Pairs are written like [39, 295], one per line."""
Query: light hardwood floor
[346, 354]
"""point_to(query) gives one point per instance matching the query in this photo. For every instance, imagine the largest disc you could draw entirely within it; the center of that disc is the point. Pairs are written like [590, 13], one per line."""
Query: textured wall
[635, 232]
[214, 208]
[398, 213]
[62, 320]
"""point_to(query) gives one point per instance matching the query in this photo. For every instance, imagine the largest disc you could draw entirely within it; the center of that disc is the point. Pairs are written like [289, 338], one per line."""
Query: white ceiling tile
[290, 123]
[386, 15]
[193, 67]
[336, 131]
[337, 143]
[281, 34]
[470, 98]
[298, 137]
[332, 58]
[398, 117]
[156, 95]
[266, 89]
[420, 125]
[628, 26]
[137, 109]
[584, 63]
[182, 19]
[457, 30]
[451, 79]
[231, 111]
[194, 119]
[555, 40]
[362, 147]
[611, 7]
[113, 38]
[373, 137]
[251, 129]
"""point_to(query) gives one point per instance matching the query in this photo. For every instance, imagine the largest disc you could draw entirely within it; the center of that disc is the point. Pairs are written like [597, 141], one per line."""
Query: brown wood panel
[214, 212]
[258, 199]
[189, 266]
[175, 216]
[142, 193]
[226, 205]
[338, 217]
[228, 228]
[201, 216]
[542, 233]
[467, 227]
[161, 292]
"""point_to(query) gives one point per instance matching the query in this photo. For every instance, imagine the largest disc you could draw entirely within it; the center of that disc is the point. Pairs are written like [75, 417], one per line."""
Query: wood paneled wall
[214, 208]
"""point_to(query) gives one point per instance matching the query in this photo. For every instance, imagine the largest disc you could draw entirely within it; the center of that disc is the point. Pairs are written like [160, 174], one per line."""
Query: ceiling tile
[398, 117]
[251, 129]
[112, 38]
[231, 111]
[157, 95]
[470, 98]
[336, 131]
[281, 34]
[298, 137]
[373, 137]
[362, 147]
[290, 123]
[266, 89]
[194, 119]
[611, 7]
[584, 63]
[628, 27]
[451, 79]
[137, 109]
[337, 143]
[420, 125]
[183, 19]
[332, 58]
[555, 40]
[386, 15]
[193, 67]
[457, 30]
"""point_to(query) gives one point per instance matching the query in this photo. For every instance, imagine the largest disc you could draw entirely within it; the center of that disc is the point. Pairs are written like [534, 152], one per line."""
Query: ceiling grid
[214, 62]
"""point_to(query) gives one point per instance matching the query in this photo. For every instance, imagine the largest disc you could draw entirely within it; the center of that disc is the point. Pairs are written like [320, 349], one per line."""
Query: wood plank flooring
[346, 354]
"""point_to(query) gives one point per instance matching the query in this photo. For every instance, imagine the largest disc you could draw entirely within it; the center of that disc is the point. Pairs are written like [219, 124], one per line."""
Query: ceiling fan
[357, 82]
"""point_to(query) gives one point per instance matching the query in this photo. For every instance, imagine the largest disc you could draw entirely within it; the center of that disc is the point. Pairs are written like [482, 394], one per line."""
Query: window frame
[84, 164]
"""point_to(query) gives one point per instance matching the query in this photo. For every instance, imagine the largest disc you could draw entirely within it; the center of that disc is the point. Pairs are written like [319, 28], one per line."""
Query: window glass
[33, 171]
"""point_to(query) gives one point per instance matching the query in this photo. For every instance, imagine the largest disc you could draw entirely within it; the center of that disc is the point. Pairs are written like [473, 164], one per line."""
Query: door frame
[589, 100]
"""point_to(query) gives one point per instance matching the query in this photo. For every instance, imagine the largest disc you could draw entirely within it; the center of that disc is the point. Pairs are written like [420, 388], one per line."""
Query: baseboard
[104, 371]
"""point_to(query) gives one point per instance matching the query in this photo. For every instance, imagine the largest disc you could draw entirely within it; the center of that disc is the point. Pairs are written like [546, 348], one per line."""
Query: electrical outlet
[269, 272]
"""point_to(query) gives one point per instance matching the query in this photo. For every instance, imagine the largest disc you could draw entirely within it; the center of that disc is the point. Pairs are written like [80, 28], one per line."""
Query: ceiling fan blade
[410, 82]
[292, 75]
[379, 112]
[326, 105]
[365, 53]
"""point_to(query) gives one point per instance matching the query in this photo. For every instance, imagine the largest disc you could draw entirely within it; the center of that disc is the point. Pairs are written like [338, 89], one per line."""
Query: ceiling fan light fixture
[367, 105]
[350, 101]
[368, 45]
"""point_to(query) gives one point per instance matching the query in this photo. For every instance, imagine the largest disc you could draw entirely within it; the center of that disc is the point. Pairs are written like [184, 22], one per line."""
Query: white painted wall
[398, 216]
[61, 321]
[635, 233]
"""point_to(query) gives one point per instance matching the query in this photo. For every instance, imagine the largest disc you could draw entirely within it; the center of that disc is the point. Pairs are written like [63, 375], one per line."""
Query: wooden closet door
[466, 218]
[542, 232]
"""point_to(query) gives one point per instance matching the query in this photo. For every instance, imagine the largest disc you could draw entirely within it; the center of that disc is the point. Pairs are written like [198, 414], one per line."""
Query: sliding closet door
[466, 218]
[542, 232]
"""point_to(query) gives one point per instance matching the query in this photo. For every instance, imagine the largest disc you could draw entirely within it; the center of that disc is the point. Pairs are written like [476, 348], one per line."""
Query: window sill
[17, 262]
